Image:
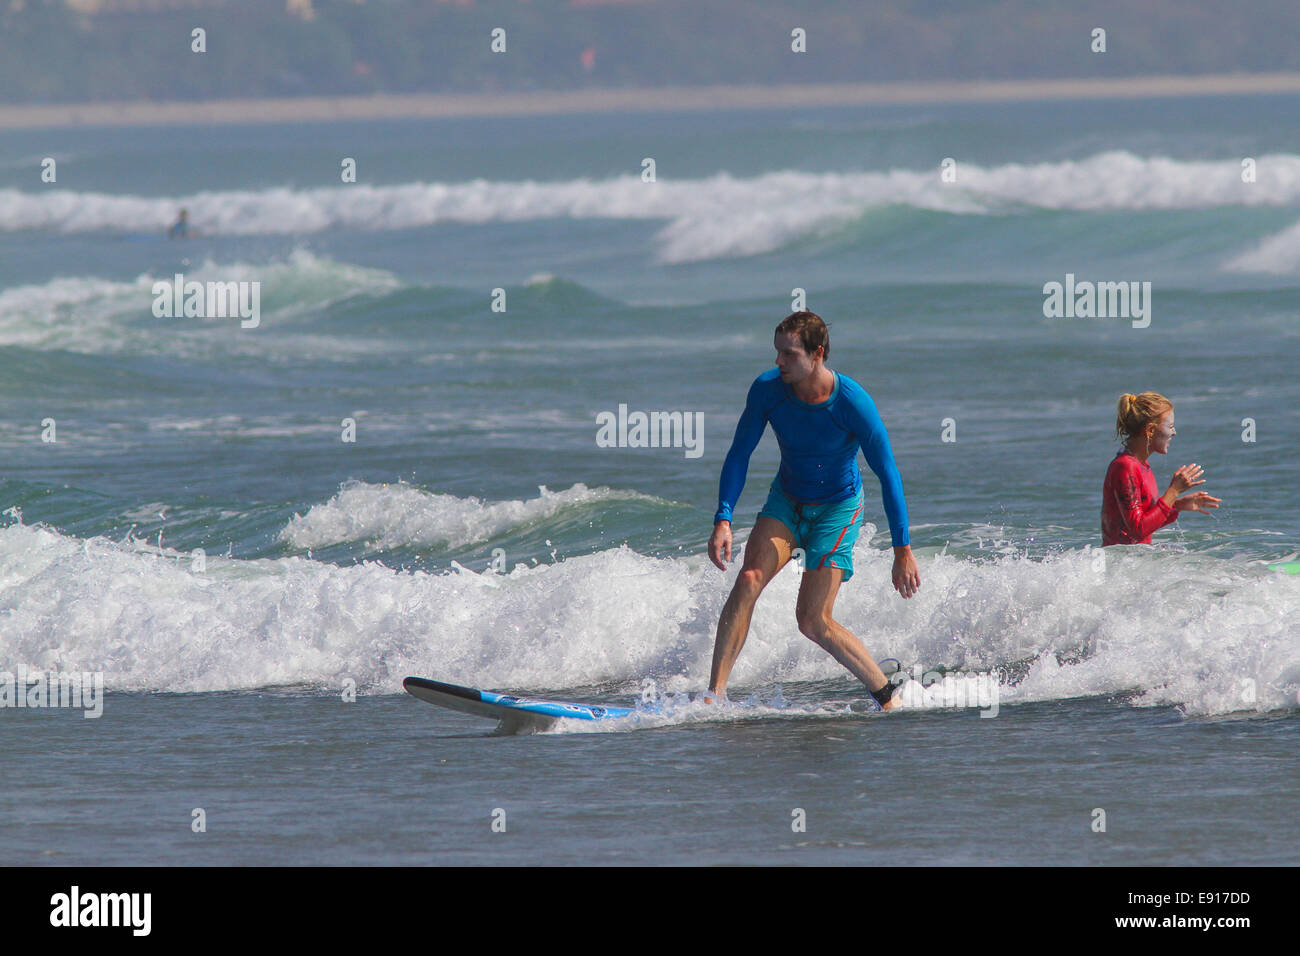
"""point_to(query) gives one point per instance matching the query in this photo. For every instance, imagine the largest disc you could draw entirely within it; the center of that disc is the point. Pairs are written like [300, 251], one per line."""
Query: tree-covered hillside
[141, 49]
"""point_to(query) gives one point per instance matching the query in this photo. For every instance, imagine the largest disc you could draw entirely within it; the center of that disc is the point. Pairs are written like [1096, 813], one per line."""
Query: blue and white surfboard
[504, 707]
[535, 713]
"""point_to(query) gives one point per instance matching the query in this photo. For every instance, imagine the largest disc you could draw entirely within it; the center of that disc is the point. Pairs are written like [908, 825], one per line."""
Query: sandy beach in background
[663, 99]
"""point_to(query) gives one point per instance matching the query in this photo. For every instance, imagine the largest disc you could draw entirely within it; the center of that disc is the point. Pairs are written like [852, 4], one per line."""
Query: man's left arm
[874, 439]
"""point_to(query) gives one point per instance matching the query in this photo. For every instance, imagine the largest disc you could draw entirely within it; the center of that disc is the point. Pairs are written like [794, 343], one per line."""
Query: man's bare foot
[895, 702]
[895, 697]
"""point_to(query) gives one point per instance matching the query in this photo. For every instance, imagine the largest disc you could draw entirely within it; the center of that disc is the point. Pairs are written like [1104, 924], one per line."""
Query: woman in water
[1130, 510]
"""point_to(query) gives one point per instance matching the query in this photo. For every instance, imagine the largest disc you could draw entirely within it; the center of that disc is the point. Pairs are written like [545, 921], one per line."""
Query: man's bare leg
[816, 599]
[766, 553]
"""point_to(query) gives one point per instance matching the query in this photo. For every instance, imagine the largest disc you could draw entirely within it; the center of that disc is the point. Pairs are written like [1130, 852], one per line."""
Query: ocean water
[252, 587]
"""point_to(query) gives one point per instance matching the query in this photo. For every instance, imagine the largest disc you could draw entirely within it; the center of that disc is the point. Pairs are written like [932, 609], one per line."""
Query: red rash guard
[1131, 507]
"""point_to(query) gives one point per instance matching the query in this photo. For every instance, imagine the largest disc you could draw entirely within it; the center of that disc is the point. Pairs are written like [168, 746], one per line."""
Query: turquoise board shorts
[826, 532]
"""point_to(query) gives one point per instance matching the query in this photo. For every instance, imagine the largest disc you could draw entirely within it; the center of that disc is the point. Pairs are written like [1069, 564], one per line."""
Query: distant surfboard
[1287, 567]
[513, 711]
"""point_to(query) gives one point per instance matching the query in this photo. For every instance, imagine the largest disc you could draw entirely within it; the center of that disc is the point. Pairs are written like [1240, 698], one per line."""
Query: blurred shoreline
[639, 100]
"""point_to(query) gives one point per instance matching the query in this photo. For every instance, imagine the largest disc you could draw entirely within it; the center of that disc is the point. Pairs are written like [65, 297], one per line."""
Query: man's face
[791, 359]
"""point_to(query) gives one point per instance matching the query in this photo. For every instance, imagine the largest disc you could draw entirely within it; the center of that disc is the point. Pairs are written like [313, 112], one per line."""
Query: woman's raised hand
[1186, 477]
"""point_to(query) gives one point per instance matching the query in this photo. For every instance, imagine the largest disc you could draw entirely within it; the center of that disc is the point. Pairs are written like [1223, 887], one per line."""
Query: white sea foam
[707, 217]
[399, 515]
[1160, 628]
[1277, 254]
[87, 314]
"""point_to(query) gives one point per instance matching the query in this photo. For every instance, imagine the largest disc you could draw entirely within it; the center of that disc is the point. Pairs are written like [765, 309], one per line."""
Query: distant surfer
[1130, 508]
[181, 227]
[816, 501]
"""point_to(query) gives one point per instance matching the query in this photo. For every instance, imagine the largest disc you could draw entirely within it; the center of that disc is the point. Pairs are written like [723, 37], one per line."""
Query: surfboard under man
[816, 502]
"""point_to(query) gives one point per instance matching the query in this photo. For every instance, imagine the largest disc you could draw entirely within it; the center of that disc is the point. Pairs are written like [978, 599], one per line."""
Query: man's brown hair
[810, 329]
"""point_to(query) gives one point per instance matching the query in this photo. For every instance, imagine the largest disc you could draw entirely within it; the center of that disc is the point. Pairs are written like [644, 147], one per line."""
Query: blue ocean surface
[253, 533]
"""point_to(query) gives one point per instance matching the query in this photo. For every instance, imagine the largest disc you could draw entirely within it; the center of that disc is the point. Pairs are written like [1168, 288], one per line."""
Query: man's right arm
[748, 432]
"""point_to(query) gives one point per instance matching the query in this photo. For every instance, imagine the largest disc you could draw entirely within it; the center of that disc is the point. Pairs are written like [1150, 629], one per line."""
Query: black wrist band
[882, 696]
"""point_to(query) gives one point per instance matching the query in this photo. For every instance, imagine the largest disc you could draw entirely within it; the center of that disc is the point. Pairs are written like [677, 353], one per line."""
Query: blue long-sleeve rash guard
[819, 447]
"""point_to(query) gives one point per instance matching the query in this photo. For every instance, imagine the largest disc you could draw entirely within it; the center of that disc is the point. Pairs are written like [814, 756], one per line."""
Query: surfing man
[1130, 510]
[816, 501]
[181, 227]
